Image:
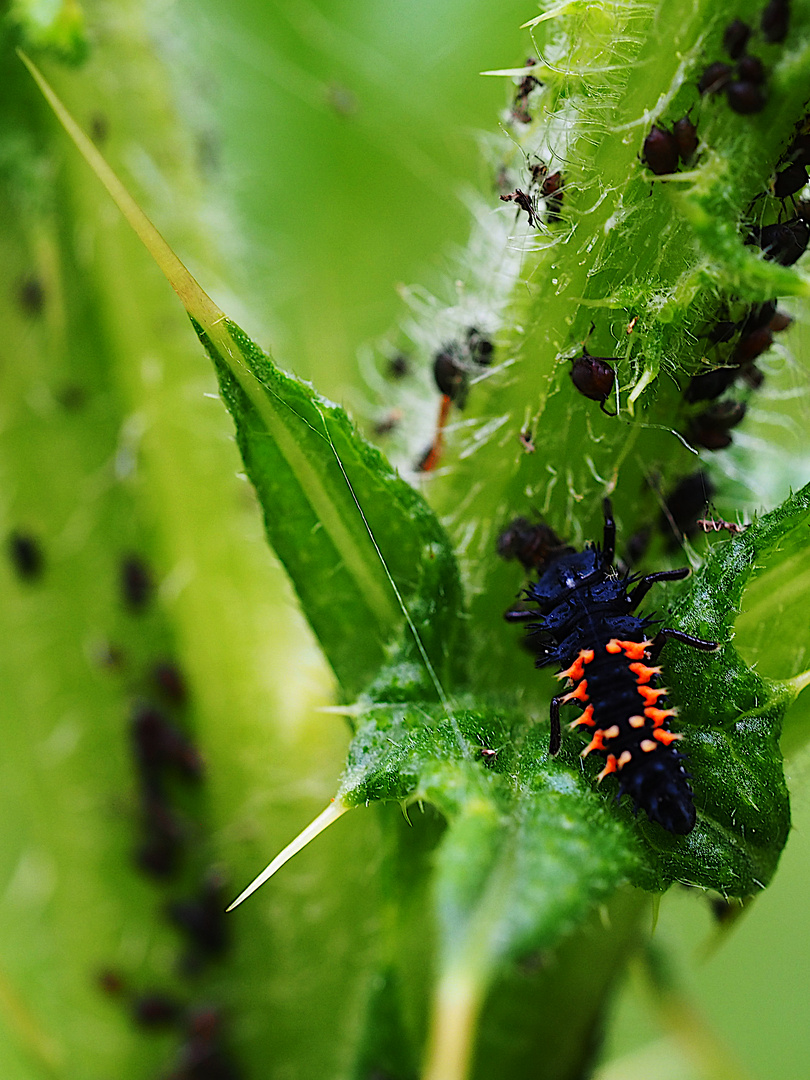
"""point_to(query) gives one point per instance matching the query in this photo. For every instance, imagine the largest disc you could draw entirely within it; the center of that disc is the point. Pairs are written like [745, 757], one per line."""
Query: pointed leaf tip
[193, 297]
[315, 828]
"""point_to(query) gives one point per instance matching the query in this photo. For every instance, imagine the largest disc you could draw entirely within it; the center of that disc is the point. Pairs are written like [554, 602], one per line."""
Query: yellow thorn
[315, 828]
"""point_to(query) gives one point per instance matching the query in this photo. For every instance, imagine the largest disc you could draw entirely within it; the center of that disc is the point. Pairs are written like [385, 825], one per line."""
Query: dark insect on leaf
[710, 384]
[735, 38]
[158, 745]
[745, 98]
[661, 151]
[450, 375]
[775, 20]
[31, 295]
[784, 242]
[790, 180]
[168, 680]
[156, 1010]
[751, 70]
[686, 138]
[684, 505]
[594, 377]
[201, 918]
[532, 544]
[711, 429]
[480, 347]
[398, 367]
[26, 555]
[161, 851]
[137, 586]
[714, 78]
[524, 202]
[752, 345]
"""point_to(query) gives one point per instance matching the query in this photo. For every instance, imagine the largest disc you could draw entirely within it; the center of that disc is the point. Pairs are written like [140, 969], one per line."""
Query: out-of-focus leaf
[364, 551]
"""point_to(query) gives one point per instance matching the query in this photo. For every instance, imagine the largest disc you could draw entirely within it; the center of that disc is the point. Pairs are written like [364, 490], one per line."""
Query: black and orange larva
[584, 625]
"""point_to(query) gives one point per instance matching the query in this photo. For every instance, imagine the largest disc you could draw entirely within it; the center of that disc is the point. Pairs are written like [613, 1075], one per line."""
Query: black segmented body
[585, 624]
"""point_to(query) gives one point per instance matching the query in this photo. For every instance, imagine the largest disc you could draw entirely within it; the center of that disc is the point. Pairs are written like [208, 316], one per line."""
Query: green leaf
[362, 548]
[732, 718]
[527, 853]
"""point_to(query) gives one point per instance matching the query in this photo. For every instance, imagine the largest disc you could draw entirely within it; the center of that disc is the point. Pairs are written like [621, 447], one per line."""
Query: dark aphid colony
[594, 377]
[583, 623]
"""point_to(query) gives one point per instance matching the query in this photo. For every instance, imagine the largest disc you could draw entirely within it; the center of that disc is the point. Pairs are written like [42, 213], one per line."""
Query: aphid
[714, 78]
[99, 128]
[534, 544]
[780, 321]
[710, 384]
[800, 150]
[552, 191]
[752, 345]
[711, 429]
[520, 111]
[685, 134]
[203, 1055]
[480, 347]
[202, 918]
[71, 397]
[735, 38]
[31, 294]
[110, 982]
[156, 1010]
[398, 367]
[26, 555]
[790, 180]
[784, 241]
[524, 202]
[160, 853]
[774, 21]
[684, 505]
[745, 98]
[751, 70]
[450, 375]
[168, 679]
[661, 151]
[136, 583]
[452, 367]
[585, 625]
[388, 423]
[593, 376]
